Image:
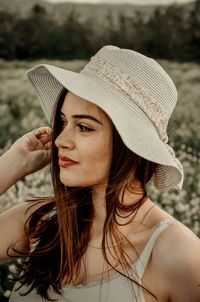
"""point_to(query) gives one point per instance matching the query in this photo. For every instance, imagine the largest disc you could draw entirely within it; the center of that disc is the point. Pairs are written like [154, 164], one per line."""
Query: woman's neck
[98, 199]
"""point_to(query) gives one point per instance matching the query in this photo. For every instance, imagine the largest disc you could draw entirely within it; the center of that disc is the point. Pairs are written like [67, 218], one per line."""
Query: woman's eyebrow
[79, 116]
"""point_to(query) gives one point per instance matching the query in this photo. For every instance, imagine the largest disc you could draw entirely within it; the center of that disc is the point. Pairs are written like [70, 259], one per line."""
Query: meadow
[20, 112]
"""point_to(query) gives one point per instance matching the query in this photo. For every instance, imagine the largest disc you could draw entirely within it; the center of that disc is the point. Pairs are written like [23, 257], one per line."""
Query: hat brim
[49, 81]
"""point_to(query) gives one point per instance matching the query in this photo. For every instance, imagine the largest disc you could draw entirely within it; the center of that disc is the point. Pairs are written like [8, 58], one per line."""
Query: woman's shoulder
[177, 255]
[175, 242]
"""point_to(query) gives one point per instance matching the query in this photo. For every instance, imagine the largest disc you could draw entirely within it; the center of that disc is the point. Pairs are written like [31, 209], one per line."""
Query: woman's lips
[66, 158]
[65, 163]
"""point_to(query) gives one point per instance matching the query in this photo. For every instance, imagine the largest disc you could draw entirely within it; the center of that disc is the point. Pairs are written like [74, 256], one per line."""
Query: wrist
[12, 167]
[16, 160]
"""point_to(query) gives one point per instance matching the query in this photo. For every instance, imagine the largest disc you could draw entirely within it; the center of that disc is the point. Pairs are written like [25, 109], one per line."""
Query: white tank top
[113, 289]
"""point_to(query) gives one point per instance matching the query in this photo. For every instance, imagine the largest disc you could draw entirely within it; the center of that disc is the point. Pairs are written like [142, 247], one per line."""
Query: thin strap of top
[145, 255]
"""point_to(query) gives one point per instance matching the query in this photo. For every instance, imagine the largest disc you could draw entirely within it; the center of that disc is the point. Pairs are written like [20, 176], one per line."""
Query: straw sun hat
[135, 92]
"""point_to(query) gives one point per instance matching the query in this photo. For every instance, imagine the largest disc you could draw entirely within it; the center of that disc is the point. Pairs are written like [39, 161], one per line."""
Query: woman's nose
[64, 140]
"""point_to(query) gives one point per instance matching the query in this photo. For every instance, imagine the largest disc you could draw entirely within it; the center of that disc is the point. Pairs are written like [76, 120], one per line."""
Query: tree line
[167, 34]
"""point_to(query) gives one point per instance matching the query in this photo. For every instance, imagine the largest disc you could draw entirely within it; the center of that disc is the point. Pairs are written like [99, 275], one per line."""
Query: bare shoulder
[175, 258]
[22, 211]
[176, 255]
[12, 228]
[178, 241]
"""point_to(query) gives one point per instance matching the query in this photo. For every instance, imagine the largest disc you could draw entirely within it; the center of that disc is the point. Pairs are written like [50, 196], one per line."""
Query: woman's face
[86, 141]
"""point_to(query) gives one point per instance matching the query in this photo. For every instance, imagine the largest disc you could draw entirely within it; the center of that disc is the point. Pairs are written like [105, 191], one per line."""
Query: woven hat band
[128, 87]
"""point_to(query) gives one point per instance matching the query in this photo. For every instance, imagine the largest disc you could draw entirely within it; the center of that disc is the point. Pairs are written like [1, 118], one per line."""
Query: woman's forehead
[74, 104]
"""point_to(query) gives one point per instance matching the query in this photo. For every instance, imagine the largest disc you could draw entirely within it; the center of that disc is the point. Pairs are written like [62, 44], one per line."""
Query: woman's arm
[26, 156]
[12, 169]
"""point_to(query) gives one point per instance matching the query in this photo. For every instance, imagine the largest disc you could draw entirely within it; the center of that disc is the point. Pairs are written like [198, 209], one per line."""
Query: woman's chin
[70, 181]
[71, 184]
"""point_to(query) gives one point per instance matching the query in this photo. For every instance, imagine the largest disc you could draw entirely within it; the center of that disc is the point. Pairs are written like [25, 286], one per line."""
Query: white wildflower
[7, 293]
[13, 268]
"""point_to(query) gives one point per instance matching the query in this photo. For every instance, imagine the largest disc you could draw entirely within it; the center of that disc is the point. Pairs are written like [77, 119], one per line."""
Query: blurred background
[67, 34]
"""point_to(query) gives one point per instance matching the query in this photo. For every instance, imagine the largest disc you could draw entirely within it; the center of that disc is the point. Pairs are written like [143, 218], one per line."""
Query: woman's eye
[84, 128]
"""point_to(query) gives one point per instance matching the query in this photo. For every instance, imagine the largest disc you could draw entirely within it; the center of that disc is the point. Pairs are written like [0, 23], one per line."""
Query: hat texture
[134, 91]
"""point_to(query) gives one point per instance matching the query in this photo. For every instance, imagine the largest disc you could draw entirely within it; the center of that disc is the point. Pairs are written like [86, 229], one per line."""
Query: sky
[141, 2]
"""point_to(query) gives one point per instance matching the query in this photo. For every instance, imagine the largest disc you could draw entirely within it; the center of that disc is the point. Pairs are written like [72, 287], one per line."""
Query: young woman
[100, 238]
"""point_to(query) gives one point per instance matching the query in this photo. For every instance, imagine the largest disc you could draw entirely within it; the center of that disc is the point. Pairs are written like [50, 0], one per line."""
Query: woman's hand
[35, 151]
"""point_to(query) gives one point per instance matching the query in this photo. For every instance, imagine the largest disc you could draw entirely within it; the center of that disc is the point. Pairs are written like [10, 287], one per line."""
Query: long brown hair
[61, 227]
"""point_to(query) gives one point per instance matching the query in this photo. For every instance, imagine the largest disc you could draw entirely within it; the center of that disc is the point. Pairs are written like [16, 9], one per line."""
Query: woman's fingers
[43, 135]
[48, 145]
[35, 148]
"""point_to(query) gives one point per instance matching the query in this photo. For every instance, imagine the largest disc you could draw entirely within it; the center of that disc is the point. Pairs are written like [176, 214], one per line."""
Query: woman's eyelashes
[81, 127]
[84, 128]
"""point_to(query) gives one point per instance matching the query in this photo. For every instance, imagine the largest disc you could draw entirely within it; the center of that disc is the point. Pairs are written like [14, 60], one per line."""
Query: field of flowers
[20, 112]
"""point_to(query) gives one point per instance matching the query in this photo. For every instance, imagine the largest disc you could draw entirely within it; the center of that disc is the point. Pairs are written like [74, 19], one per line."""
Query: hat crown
[147, 72]
[135, 79]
